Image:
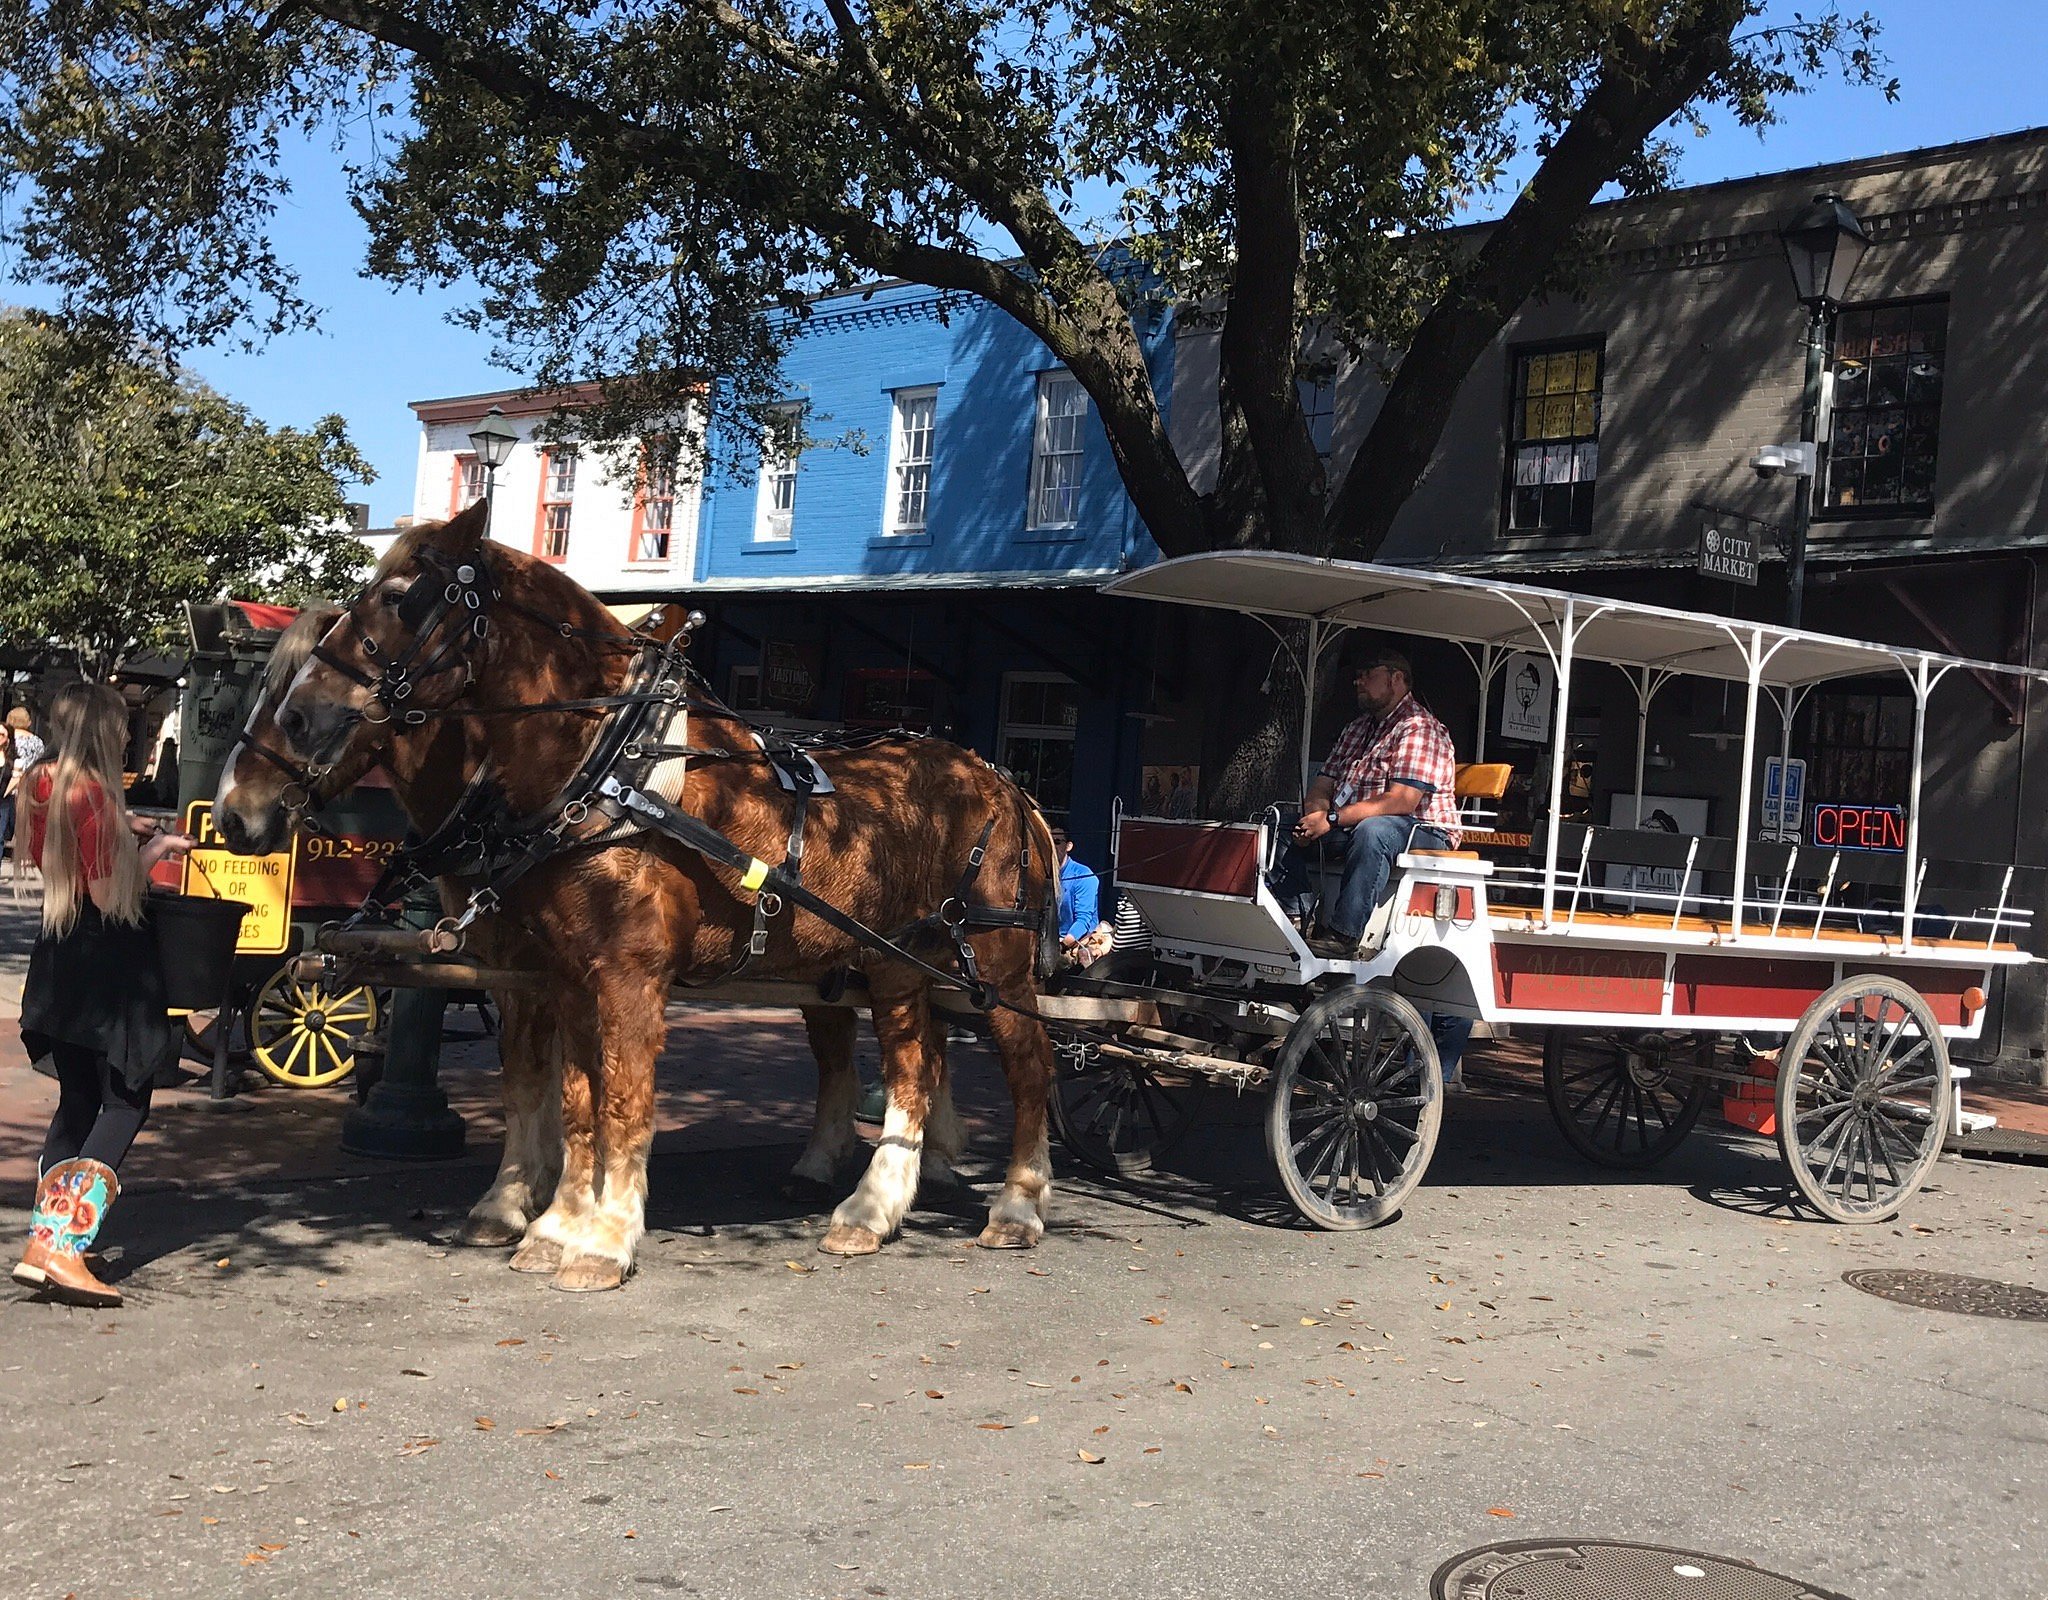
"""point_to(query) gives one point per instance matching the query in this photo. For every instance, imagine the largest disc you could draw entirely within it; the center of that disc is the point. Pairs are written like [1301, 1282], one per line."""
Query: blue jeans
[1369, 851]
[1452, 1034]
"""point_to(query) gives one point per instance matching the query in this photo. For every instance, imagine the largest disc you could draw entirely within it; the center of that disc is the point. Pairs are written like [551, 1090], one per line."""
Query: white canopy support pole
[1921, 686]
[1309, 670]
[1567, 638]
[1646, 684]
[1754, 651]
[1489, 666]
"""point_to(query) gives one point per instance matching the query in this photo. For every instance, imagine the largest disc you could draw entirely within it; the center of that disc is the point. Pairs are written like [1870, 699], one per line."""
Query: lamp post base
[406, 1117]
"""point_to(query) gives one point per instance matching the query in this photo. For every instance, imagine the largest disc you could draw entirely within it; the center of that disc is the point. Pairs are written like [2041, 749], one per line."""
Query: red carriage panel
[1221, 859]
[1532, 978]
[1746, 986]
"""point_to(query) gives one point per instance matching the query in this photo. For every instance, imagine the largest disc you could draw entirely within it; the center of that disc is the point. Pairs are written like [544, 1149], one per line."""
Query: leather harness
[631, 778]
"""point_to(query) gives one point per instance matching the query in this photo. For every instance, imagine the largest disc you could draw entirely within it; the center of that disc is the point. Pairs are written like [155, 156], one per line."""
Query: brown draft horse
[616, 926]
[528, 1042]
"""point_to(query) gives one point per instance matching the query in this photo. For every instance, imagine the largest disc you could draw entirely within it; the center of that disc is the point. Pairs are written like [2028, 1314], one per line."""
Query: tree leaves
[133, 488]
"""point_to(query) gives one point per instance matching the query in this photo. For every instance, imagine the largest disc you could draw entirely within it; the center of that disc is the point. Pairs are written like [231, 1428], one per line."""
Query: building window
[1037, 738]
[1887, 407]
[557, 490]
[1056, 451]
[910, 460]
[469, 484]
[775, 500]
[1319, 410]
[1554, 440]
[654, 518]
[1862, 748]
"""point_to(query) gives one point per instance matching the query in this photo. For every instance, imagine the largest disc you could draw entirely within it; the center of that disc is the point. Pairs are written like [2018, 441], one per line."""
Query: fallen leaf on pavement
[544, 1428]
[1498, 1511]
[485, 1424]
[411, 1372]
[1154, 1320]
[341, 1405]
[507, 1343]
[799, 1266]
[1090, 1457]
[1310, 1322]
[993, 1427]
[935, 1394]
[223, 1261]
[917, 1466]
[414, 1447]
[736, 1391]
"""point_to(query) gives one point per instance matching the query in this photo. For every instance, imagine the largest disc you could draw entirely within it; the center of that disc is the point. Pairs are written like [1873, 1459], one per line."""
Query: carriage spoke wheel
[1623, 1098]
[1117, 1116]
[304, 1035]
[1863, 1098]
[1357, 1101]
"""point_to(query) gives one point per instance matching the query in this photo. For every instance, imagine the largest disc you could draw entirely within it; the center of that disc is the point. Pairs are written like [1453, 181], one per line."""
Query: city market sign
[1728, 556]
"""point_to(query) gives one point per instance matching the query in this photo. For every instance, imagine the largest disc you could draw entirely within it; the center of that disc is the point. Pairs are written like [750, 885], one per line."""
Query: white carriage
[1733, 966]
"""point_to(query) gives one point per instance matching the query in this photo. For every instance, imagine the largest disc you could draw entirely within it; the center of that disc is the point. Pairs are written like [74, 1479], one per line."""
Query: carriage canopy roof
[1519, 617]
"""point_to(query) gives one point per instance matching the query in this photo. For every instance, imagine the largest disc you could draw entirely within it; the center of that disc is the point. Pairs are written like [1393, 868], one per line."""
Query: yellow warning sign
[262, 883]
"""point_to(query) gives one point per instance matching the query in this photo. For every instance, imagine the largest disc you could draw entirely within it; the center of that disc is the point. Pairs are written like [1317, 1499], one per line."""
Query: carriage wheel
[1117, 1116]
[304, 1035]
[1357, 1101]
[1625, 1098]
[1863, 1098]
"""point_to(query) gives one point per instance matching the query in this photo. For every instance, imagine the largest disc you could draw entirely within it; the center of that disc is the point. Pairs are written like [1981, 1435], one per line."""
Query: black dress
[101, 988]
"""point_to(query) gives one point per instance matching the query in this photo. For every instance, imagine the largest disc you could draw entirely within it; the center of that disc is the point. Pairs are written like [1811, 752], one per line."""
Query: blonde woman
[94, 998]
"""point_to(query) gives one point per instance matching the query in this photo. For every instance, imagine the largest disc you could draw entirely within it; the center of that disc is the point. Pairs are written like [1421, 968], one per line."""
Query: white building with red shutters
[618, 521]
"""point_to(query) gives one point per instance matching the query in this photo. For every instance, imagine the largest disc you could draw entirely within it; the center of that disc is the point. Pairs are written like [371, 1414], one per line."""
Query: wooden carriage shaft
[399, 970]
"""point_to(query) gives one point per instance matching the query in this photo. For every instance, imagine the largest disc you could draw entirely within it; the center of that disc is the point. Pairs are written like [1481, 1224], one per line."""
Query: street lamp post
[406, 1115]
[1824, 246]
[492, 439]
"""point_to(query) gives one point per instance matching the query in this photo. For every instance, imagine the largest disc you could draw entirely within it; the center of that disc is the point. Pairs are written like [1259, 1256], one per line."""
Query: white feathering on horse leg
[527, 1174]
[1022, 1207]
[889, 1185]
[945, 1137]
[833, 1137]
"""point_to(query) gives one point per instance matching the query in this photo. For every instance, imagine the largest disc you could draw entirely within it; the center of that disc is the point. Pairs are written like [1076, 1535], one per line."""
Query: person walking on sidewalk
[94, 999]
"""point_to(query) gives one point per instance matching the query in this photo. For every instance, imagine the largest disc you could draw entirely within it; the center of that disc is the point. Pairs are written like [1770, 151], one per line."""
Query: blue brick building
[930, 554]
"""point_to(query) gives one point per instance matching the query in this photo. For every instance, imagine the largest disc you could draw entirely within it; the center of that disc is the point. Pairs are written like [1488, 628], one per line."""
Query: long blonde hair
[88, 729]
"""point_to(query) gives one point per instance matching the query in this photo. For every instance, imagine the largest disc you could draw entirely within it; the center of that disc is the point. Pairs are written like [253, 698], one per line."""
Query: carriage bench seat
[1452, 855]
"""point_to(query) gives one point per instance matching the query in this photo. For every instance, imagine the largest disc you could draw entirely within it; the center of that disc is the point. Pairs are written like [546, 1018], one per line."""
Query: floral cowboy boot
[71, 1203]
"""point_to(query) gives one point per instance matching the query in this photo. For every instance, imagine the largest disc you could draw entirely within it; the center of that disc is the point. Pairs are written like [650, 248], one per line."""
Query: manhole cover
[1952, 1291]
[1606, 1569]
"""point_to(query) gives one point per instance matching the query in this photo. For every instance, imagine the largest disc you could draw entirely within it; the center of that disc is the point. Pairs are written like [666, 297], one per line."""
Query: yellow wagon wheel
[305, 1034]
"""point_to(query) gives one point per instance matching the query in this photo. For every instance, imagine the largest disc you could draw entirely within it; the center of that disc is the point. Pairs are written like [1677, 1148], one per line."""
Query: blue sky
[1966, 69]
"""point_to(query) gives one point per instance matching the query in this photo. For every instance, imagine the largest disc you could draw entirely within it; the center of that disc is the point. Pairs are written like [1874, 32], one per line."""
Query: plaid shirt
[1409, 746]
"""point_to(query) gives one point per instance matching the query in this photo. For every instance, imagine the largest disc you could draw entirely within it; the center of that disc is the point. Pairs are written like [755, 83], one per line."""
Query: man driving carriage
[1389, 785]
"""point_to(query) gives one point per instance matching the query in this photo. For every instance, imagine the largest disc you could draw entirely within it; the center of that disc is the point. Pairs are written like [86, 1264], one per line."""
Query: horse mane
[294, 646]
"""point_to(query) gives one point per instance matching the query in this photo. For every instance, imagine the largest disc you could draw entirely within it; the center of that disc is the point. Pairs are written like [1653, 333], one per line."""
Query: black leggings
[98, 1115]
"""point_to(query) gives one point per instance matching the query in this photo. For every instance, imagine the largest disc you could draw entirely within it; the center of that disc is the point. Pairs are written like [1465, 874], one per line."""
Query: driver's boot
[71, 1202]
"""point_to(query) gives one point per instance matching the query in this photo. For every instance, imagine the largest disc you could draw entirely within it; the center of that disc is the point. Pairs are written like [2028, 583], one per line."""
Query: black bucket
[195, 944]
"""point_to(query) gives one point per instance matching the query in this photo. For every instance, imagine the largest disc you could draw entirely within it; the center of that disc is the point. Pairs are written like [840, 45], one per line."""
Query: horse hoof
[489, 1233]
[843, 1239]
[1009, 1236]
[589, 1274]
[537, 1255]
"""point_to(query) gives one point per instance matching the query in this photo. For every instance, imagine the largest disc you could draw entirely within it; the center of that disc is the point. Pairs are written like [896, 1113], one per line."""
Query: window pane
[1887, 383]
[1845, 483]
[1589, 371]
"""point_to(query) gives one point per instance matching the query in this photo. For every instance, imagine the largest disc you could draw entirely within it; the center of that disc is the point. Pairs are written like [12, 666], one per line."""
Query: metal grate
[1952, 1291]
[1606, 1569]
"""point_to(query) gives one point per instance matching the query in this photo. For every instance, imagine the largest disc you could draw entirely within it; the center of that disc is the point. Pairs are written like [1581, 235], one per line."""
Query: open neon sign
[1843, 825]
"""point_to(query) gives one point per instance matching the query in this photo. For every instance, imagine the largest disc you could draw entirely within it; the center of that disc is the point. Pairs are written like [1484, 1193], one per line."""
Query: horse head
[263, 791]
[335, 694]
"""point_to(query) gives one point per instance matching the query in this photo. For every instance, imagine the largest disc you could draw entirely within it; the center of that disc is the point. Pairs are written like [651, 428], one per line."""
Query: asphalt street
[1181, 1393]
